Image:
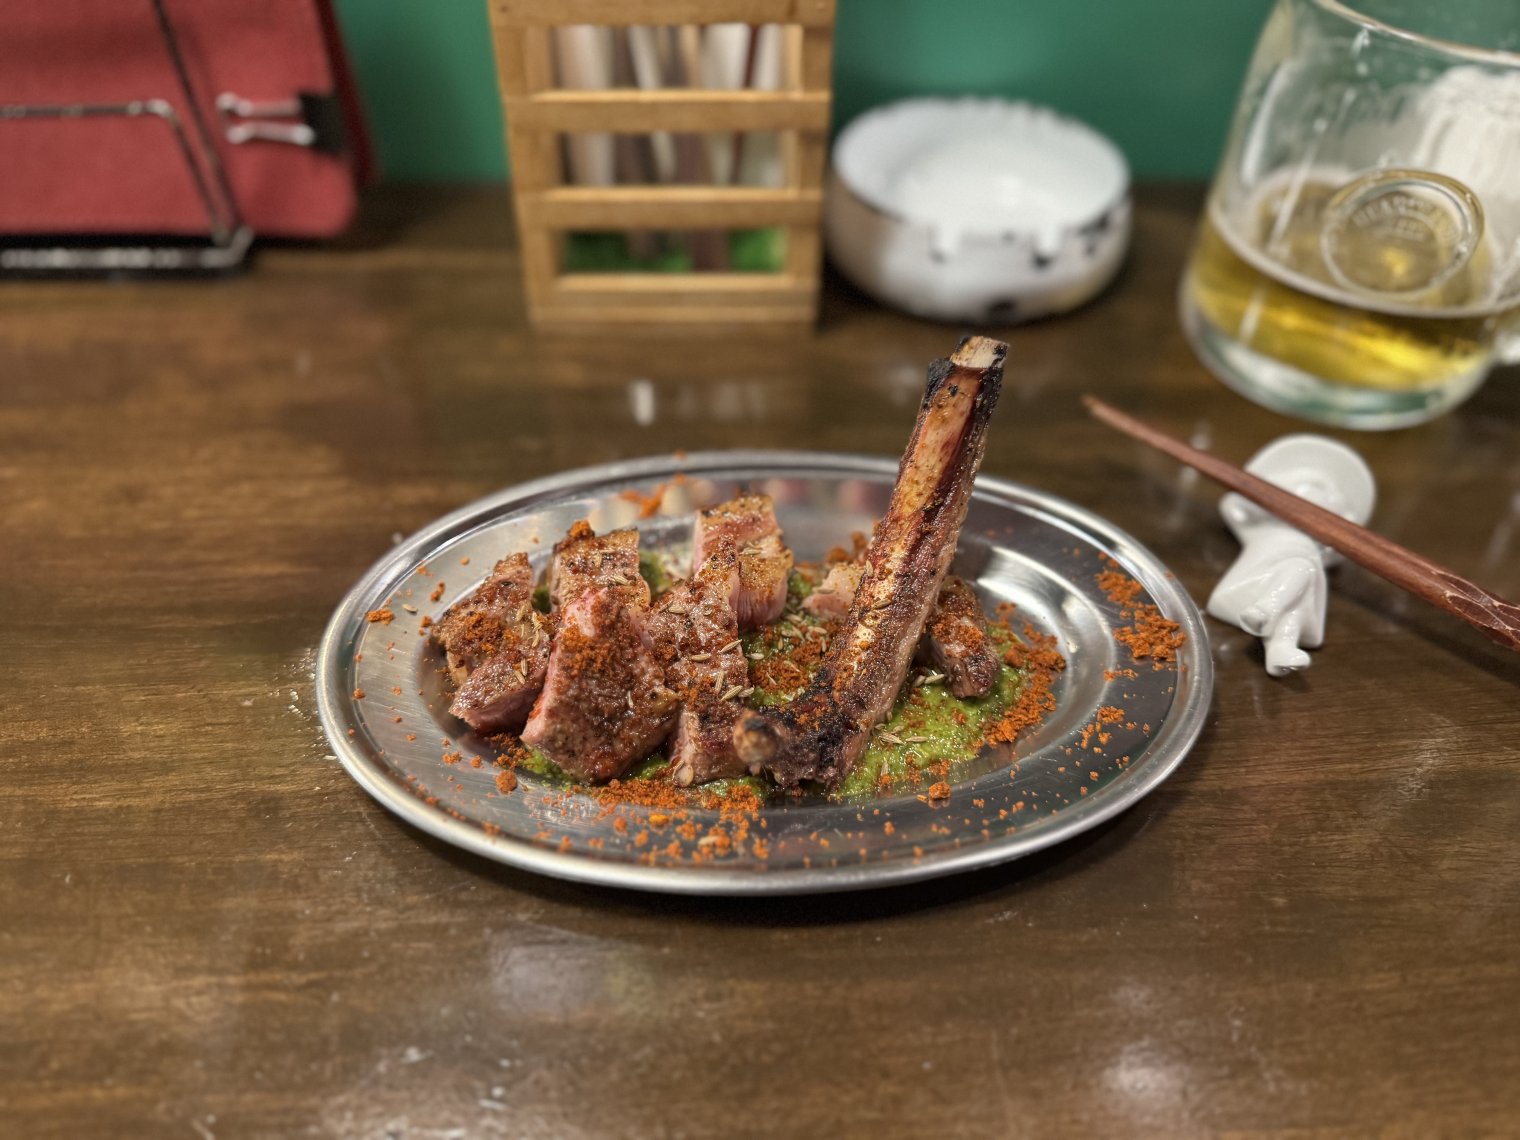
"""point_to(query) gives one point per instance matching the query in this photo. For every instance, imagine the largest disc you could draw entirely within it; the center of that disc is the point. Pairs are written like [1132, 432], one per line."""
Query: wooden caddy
[537, 112]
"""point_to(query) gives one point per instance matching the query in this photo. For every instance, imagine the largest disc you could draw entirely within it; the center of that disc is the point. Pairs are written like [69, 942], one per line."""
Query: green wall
[1158, 76]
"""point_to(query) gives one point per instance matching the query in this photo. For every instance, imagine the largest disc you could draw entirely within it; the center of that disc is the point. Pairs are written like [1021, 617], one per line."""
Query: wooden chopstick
[1409, 571]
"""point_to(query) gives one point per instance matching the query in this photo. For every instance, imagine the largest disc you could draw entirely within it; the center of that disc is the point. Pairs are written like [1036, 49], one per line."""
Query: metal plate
[1019, 545]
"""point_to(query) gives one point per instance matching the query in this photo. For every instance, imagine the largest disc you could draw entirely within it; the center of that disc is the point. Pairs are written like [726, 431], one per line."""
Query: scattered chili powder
[384, 616]
[1042, 663]
[358, 694]
[437, 591]
[506, 781]
[1150, 636]
[649, 504]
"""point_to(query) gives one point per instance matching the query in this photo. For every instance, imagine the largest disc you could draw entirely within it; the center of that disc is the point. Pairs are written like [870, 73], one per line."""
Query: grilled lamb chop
[471, 630]
[696, 635]
[499, 694]
[604, 703]
[738, 562]
[497, 647]
[821, 734]
[749, 523]
[955, 641]
[583, 559]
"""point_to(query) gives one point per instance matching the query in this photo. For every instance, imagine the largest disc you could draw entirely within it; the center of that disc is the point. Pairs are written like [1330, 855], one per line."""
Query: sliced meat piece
[749, 523]
[955, 642]
[604, 704]
[836, 593]
[499, 694]
[821, 734]
[497, 646]
[696, 636]
[583, 559]
[764, 567]
[478, 626]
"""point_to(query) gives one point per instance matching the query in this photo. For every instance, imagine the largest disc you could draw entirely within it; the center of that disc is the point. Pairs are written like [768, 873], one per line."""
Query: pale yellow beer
[1358, 263]
[1260, 289]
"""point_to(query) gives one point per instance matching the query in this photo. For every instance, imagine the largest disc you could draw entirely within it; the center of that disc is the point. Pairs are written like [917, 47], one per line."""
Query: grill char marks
[954, 642]
[497, 647]
[821, 734]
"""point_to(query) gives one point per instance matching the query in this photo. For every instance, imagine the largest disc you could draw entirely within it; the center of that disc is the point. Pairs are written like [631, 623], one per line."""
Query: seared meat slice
[604, 703]
[955, 641]
[836, 593]
[696, 635]
[821, 734]
[497, 646]
[499, 694]
[476, 628]
[749, 523]
[583, 559]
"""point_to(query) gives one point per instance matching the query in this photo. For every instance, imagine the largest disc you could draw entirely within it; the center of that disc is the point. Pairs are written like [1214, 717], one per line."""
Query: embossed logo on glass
[1400, 232]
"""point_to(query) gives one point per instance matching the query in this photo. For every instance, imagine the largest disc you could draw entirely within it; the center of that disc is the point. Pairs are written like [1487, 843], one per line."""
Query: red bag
[290, 162]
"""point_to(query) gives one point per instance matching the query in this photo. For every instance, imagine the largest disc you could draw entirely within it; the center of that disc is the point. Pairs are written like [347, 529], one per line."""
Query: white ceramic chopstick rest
[1276, 589]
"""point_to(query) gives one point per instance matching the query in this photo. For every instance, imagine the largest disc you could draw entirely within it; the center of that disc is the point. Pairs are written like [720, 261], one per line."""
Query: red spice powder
[649, 505]
[1042, 663]
[384, 616]
[1149, 636]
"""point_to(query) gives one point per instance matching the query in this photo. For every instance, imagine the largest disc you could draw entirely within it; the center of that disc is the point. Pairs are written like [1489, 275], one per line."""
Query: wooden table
[209, 930]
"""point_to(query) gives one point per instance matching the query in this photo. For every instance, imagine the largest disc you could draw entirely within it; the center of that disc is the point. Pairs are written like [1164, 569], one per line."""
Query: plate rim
[1176, 735]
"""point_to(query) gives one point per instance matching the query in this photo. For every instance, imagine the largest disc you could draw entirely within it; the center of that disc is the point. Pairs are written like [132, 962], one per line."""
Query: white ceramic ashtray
[976, 209]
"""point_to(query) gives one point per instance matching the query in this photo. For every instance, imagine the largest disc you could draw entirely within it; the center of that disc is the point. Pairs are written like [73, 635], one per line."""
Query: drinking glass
[1358, 262]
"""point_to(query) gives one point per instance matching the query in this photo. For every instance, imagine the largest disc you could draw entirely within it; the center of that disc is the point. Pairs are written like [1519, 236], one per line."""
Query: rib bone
[821, 734]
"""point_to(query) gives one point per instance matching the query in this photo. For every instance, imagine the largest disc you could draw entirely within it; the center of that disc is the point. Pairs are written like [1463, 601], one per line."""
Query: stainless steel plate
[1019, 545]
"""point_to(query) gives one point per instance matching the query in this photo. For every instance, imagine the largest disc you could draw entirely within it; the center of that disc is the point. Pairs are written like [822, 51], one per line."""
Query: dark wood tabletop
[210, 931]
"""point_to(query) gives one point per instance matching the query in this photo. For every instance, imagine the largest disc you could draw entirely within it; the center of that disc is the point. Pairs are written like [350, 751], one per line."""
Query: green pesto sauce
[933, 725]
[653, 570]
[930, 723]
